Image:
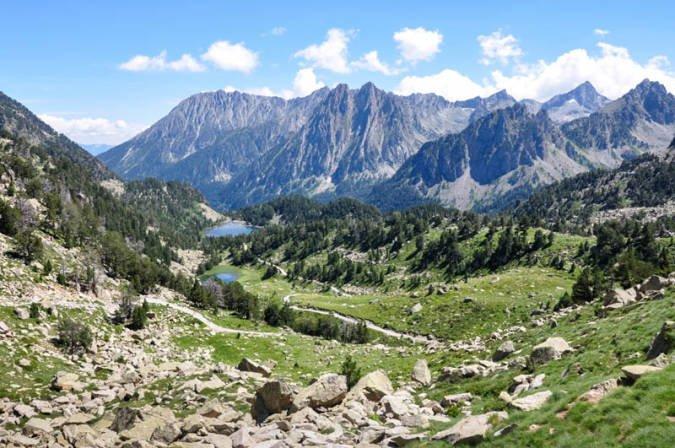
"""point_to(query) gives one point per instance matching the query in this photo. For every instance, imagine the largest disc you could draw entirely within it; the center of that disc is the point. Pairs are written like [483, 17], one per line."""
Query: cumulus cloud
[600, 32]
[331, 54]
[448, 83]
[613, 72]
[231, 57]
[93, 130]
[498, 47]
[304, 83]
[372, 63]
[140, 63]
[418, 44]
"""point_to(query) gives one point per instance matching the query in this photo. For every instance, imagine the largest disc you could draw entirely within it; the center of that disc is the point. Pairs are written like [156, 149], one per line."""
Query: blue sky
[100, 73]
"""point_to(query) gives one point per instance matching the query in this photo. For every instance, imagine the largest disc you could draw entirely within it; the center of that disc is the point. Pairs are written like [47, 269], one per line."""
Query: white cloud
[331, 54]
[278, 31]
[613, 73]
[233, 57]
[140, 63]
[418, 44]
[496, 46]
[371, 62]
[93, 130]
[304, 83]
[600, 32]
[448, 83]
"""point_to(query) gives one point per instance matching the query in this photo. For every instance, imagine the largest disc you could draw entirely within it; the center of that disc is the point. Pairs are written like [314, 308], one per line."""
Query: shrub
[28, 246]
[74, 336]
[351, 371]
[9, 219]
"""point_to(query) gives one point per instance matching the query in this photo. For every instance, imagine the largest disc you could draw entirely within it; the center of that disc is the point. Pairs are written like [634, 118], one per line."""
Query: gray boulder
[503, 351]
[329, 390]
[550, 349]
[472, 429]
[273, 397]
[421, 372]
[247, 365]
[663, 341]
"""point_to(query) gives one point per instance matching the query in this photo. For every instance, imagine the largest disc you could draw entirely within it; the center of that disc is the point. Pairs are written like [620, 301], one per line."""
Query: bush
[34, 310]
[9, 219]
[351, 371]
[29, 246]
[139, 316]
[74, 336]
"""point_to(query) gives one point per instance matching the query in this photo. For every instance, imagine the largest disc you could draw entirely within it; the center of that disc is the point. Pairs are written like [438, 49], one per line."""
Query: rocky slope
[334, 140]
[507, 154]
[577, 103]
[19, 122]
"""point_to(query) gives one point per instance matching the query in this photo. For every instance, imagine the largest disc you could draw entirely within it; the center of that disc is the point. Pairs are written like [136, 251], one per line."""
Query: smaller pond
[231, 228]
[227, 277]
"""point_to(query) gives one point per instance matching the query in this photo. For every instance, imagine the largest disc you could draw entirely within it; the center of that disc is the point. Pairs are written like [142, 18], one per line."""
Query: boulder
[24, 410]
[421, 372]
[416, 308]
[618, 298]
[219, 440]
[329, 390]
[635, 372]
[503, 351]
[273, 397]
[451, 400]
[532, 402]
[242, 438]
[167, 433]
[372, 386]
[653, 284]
[21, 313]
[247, 365]
[550, 349]
[471, 429]
[598, 391]
[37, 427]
[663, 341]
[4, 328]
[66, 381]
[125, 418]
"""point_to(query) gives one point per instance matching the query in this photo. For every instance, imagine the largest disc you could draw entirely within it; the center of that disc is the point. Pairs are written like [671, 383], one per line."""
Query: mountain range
[482, 153]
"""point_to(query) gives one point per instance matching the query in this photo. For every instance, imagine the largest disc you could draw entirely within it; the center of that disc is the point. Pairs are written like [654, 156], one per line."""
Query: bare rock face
[421, 372]
[664, 340]
[329, 390]
[273, 397]
[471, 429]
[550, 349]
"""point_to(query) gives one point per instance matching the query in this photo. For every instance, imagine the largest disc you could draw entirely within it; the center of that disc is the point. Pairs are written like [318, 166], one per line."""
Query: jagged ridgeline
[53, 188]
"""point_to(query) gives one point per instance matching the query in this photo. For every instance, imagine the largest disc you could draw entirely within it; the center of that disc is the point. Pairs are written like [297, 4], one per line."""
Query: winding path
[351, 320]
[212, 326]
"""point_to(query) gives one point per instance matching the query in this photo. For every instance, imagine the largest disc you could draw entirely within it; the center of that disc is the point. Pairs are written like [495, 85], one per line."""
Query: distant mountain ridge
[508, 153]
[240, 149]
[211, 138]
